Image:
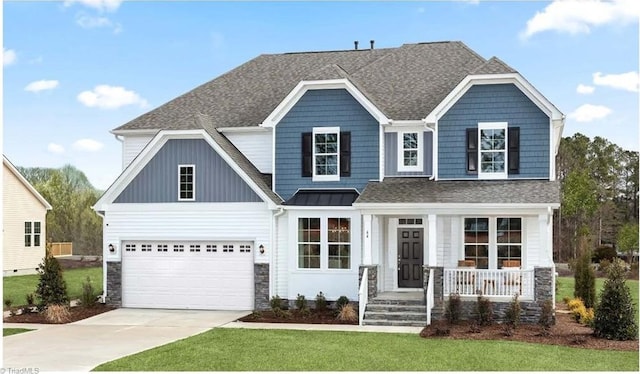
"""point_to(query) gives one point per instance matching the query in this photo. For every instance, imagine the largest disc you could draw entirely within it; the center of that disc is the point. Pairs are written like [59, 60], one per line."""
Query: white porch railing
[363, 295]
[430, 300]
[490, 283]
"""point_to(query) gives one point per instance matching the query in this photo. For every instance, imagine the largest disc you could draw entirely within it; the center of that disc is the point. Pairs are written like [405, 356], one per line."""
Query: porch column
[431, 219]
[366, 239]
[543, 227]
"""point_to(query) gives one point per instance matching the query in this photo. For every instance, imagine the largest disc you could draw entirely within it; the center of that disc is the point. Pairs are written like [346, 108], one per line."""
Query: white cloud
[41, 85]
[110, 97]
[55, 148]
[37, 60]
[90, 22]
[626, 81]
[8, 57]
[584, 89]
[101, 5]
[574, 17]
[87, 145]
[589, 112]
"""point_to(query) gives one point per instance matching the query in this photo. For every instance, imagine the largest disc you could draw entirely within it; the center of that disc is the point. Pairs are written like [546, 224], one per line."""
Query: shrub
[347, 313]
[484, 311]
[585, 280]
[573, 304]
[615, 314]
[512, 314]
[57, 313]
[604, 265]
[342, 301]
[453, 309]
[31, 299]
[604, 253]
[546, 317]
[88, 297]
[321, 301]
[51, 289]
[301, 302]
[8, 302]
[280, 313]
[275, 302]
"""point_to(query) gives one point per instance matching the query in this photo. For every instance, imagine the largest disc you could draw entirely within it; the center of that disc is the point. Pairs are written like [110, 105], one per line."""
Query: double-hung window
[493, 149]
[410, 151]
[324, 243]
[27, 234]
[32, 232]
[339, 238]
[186, 182]
[309, 243]
[489, 242]
[326, 153]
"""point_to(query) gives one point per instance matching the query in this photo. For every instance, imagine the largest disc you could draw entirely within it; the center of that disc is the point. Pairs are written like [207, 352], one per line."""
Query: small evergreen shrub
[585, 279]
[31, 299]
[453, 309]
[275, 302]
[546, 318]
[7, 303]
[348, 313]
[512, 314]
[89, 295]
[321, 301]
[615, 313]
[484, 311]
[342, 301]
[301, 302]
[57, 313]
[51, 289]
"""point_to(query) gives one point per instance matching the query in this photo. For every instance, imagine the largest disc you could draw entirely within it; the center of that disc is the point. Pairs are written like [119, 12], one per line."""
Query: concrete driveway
[83, 345]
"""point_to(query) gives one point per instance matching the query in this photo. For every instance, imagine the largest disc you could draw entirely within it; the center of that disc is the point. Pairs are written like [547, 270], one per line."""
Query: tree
[52, 288]
[578, 200]
[628, 238]
[615, 316]
[584, 276]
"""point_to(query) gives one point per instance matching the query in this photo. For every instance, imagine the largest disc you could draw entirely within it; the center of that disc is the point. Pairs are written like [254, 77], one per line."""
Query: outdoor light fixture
[261, 248]
[112, 248]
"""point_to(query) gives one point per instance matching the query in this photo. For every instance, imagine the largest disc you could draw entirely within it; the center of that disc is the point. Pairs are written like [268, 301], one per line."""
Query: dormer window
[326, 154]
[493, 150]
[410, 151]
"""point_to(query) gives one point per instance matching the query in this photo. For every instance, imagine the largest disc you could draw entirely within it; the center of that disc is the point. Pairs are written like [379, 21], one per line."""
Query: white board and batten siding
[256, 146]
[132, 146]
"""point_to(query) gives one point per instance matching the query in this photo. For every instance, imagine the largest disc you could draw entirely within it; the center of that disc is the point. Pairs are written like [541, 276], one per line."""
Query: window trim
[28, 234]
[37, 234]
[419, 148]
[493, 126]
[193, 182]
[325, 130]
[493, 239]
[324, 243]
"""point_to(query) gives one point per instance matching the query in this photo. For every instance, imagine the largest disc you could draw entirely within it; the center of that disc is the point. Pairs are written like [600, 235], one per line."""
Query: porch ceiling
[425, 191]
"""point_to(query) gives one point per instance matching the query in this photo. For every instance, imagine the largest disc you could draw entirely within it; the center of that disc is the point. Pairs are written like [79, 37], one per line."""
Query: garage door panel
[188, 280]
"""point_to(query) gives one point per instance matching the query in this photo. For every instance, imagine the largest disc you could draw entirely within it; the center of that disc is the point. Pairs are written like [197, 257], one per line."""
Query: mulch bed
[77, 314]
[565, 332]
[327, 316]
[66, 263]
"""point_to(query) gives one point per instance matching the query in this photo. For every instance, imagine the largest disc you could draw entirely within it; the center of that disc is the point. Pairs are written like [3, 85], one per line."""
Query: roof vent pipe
[355, 43]
[372, 41]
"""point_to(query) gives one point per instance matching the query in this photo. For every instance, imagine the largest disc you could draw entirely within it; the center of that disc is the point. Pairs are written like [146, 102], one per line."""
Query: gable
[20, 183]
[215, 180]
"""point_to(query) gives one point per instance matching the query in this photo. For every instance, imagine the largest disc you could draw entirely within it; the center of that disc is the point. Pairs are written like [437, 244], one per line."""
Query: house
[376, 174]
[24, 213]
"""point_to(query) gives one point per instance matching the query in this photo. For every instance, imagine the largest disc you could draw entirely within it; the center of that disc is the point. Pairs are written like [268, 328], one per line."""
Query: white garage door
[187, 275]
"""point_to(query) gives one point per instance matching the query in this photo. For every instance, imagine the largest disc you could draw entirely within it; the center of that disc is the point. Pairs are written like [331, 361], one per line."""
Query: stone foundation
[114, 284]
[261, 286]
[373, 279]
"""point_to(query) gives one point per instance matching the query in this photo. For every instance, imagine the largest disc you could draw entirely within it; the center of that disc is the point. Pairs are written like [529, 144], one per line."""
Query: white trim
[176, 207]
[381, 150]
[493, 237]
[330, 177]
[26, 183]
[493, 126]
[452, 209]
[303, 86]
[242, 129]
[406, 123]
[153, 148]
[318, 208]
[134, 132]
[193, 182]
[419, 148]
[434, 157]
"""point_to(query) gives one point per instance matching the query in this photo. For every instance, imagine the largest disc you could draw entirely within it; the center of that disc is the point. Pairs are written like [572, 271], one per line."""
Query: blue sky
[74, 70]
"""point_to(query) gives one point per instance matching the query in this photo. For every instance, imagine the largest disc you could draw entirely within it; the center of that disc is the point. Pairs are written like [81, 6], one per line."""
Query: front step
[384, 322]
[396, 309]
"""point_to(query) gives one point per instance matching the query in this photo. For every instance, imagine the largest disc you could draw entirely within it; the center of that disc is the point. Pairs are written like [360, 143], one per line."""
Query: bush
[484, 311]
[89, 295]
[604, 253]
[347, 313]
[453, 309]
[321, 301]
[585, 280]
[604, 265]
[51, 289]
[342, 301]
[301, 302]
[57, 313]
[615, 314]
[31, 299]
[275, 302]
[8, 302]
[546, 317]
[512, 314]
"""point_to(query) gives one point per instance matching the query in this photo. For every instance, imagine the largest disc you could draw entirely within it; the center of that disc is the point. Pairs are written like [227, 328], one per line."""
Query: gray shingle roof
[493, 66]
[404, 83]
[423, 190]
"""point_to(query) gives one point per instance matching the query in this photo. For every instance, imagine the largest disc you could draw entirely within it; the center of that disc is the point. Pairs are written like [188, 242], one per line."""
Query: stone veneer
[114, 284]
[372, 290]
[544, 289]
[261, 286]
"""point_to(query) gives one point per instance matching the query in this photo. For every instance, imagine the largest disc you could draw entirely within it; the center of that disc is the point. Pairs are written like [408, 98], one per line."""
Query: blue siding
[157, 182]
[391, 156]
[326, 108]
[494, 103]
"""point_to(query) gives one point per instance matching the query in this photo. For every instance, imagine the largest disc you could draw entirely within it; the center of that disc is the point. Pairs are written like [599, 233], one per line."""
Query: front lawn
[10, 331]
[288, 350]
[17, 288]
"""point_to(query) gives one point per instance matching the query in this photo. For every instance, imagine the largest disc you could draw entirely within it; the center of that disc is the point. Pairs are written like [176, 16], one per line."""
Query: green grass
[9, 331]
[288, 350]
[17, 288]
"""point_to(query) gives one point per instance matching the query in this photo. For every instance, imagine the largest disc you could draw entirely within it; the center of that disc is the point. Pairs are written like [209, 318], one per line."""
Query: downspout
[121, 140]
[104, 261]
[274, 247]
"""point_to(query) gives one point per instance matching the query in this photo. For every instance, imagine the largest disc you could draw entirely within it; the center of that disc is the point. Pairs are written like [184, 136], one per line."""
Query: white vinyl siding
[256, 146]
[282, 260]
[132, 146]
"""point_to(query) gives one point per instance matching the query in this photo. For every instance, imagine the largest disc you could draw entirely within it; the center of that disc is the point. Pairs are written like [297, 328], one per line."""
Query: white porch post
[543, 221]
[366, 239]
[431, 219]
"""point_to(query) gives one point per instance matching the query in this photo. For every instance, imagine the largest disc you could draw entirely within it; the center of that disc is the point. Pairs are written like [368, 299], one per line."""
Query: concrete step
[379, 301]
[396, 308]
[394, 316]
[394, 323]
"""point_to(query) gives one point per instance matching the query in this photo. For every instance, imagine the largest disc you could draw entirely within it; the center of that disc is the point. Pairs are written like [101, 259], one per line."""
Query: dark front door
[410, 257]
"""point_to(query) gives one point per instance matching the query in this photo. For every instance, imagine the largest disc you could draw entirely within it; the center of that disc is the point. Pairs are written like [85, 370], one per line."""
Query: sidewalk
[321, 327]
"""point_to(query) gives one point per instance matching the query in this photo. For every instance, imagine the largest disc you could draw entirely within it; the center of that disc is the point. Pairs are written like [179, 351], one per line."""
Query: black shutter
[472, 151]
[307, 154]
[345, 154]
[514, 150]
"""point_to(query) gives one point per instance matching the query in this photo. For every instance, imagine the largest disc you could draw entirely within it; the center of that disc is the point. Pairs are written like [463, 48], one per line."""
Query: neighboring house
[295, 173]
[24, 213]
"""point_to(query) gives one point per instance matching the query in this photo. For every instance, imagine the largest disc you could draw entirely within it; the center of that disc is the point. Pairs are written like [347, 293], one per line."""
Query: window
[493, 150]
[36, 234]
[227, 248]
[194, 248]
[326, 154]
[489, 242]
[130, 247]
[410, 221]
[409, 151]
[178, 248]
[27, 234]
[245, 248]
[339, 238]
[212, 248]
[145, 247]
[309, 243]
[163, 247]
[186, 182]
